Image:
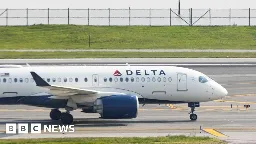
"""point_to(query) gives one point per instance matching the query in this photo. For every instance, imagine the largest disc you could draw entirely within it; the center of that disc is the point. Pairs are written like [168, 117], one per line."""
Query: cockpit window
[202, 79]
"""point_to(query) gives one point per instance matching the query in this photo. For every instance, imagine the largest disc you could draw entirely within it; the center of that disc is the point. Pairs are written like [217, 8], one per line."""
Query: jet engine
[117, 106]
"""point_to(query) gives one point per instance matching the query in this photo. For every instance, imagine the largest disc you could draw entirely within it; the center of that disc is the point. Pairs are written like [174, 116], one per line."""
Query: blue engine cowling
[117, 106]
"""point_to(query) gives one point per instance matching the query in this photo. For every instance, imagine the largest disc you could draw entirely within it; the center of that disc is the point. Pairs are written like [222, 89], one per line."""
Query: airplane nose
[222, 92]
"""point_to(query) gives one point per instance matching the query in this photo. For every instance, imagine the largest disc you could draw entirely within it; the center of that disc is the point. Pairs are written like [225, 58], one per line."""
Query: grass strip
[137, 140]
[132, 37]
[45, 55]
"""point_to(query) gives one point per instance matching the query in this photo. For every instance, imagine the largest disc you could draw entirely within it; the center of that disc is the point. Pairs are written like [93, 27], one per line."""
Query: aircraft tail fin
[39, 81]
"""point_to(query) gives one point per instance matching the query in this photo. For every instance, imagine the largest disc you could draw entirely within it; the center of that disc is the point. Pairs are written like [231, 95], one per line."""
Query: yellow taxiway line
[214, 132]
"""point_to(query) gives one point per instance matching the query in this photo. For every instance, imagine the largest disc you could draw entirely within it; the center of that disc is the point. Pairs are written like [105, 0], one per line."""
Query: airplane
[113, 91]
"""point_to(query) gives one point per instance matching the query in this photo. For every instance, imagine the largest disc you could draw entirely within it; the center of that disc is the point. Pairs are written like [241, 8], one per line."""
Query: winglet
[39, 81]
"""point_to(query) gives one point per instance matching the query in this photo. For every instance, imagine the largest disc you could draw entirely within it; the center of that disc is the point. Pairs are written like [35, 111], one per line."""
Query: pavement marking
[253, 94]
[248, 83]
[214, 132]
[171, 106]
[214, 106]
[229, 101]
[239, 95]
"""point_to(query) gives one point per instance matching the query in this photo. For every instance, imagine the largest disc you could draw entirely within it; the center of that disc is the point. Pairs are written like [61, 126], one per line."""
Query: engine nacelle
[117, 106]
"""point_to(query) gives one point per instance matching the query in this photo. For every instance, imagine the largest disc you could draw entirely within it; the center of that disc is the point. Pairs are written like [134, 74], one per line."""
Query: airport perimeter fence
[129, 17]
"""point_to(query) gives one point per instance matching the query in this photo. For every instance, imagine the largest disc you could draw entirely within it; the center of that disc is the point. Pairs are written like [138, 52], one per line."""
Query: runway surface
[216, 119]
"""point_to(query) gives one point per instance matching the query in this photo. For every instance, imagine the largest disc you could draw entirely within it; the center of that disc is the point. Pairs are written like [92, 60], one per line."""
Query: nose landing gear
[193, 116]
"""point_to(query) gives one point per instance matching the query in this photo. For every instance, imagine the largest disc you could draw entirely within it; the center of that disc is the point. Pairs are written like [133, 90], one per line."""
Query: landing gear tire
[66, 118]
[193, 117]
[55, 114]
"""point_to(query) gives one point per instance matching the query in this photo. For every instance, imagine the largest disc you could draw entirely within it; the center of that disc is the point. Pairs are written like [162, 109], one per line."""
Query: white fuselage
[174, 84]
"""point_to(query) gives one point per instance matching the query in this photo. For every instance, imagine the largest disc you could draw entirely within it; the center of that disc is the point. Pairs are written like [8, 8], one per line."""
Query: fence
[128, 17]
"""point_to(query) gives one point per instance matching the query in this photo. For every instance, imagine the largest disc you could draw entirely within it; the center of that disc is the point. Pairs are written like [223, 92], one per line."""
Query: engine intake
[117, 106]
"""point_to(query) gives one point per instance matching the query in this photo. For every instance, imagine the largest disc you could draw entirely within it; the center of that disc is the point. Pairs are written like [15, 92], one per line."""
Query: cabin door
[95, 80]
[182, 82]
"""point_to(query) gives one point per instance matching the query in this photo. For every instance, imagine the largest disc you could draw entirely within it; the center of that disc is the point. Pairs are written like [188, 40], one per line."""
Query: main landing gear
[65, 117]
[193, 116]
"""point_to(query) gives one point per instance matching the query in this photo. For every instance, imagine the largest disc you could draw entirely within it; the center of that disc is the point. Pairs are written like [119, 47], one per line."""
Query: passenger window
[59, 79]
[26, 80]
[164, 79]
[153, 79]
[142, 79]
[116, 79]
[148, 79]
[158, 79]
[54, 79]
[10, 80]
[76, 79]
[110, 79]
[65, 79]
[15, 80]
[48, 79]
[132, 79]
[70, 79]
[137, 79]
[127, 79]
[105, 79]
[4, 80]
[85, 79]
[21, 80]
[170, 79]
[121, 79]
[202, 79]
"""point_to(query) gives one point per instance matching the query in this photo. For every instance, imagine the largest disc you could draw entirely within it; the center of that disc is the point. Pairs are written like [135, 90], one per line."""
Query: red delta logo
[117, 73]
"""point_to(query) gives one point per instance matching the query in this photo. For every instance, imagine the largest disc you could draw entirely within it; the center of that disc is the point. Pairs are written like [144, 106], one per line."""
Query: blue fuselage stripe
[46, 101]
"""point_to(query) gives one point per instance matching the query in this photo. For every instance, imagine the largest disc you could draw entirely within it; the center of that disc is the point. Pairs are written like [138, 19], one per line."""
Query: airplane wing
[66, 91]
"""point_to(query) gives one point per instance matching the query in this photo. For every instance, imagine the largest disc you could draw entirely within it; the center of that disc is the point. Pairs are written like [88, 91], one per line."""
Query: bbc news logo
[24, 128]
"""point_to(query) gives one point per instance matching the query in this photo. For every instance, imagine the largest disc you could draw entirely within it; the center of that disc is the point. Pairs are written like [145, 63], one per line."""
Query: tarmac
[226, 119]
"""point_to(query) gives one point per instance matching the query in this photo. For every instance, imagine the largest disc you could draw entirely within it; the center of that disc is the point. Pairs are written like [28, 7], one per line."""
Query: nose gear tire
[193, 117]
